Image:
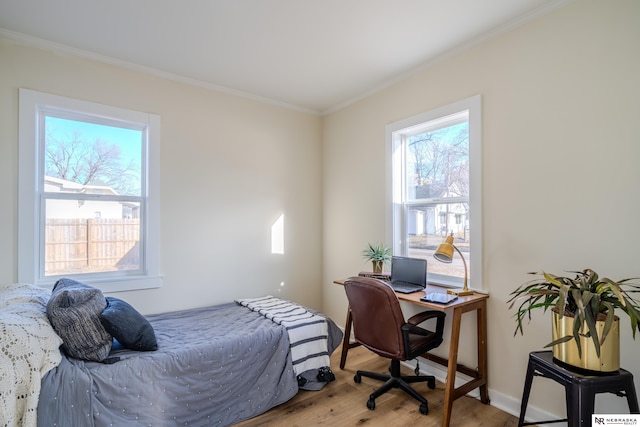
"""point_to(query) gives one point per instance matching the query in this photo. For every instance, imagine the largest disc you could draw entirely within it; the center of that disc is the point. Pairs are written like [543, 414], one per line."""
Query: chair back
[377, 316]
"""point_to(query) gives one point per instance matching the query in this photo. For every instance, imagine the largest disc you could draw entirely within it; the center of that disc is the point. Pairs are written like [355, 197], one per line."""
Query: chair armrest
[411, 325]
[425, 315]
[408, 328]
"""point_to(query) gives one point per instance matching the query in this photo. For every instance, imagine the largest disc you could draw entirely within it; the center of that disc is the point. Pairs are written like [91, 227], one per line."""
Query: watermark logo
[615, 420]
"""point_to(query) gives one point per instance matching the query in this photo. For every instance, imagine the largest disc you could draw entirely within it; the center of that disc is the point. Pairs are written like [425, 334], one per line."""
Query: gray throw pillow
[74, 312]
[128, 326]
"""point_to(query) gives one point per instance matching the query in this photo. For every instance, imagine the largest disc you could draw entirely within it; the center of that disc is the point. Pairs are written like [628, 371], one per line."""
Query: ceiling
[314, 56]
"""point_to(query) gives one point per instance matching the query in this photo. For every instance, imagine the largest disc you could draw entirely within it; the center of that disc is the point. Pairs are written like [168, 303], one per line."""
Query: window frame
[396, 185]
[31, 199]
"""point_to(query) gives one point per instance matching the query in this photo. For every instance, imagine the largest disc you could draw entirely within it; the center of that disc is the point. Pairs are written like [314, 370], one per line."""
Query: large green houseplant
[586, 297]
[378, 254]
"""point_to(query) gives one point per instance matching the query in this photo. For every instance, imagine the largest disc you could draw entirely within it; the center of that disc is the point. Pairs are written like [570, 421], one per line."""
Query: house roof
[65, 186]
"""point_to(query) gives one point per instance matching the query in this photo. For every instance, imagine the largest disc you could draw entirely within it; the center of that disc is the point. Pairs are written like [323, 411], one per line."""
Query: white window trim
[29, 207]
[394, 202]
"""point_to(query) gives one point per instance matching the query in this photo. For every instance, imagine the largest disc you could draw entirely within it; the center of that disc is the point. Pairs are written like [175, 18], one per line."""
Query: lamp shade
[445, 250]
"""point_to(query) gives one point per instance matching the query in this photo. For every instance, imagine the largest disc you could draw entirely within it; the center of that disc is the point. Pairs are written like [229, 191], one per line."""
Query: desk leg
[482, 352]
[345, 340]
[450, 386]
[480, 377]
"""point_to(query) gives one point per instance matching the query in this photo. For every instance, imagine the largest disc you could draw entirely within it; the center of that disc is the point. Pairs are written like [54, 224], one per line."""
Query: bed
[214, 366]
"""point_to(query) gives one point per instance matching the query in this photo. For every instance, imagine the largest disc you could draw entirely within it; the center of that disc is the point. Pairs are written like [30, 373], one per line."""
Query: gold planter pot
[609, 360]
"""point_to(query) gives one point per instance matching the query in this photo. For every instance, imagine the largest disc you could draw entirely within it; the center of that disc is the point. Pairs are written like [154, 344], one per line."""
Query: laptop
[408, 275]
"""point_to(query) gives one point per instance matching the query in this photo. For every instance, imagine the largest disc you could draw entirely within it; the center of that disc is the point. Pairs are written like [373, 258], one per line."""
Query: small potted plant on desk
[585, 329]
[378, 254]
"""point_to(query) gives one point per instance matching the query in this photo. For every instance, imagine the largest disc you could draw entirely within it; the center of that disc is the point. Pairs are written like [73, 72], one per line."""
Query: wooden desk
[477, 302]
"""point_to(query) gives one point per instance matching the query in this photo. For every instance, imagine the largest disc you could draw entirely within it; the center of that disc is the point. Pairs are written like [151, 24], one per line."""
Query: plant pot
[377, 267]
[567, 352]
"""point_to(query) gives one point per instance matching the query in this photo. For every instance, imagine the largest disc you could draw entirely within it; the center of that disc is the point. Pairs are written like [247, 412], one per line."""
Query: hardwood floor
[343, 403]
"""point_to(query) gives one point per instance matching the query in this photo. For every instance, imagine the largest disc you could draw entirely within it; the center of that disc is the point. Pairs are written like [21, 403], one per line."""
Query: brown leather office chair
[379, 325]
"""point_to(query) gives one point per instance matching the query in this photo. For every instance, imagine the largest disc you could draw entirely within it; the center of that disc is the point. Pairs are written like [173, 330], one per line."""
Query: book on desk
[382, 276]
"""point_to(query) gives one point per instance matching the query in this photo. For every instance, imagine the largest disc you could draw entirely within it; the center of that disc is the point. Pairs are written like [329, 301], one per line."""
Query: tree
[73, 158]
[441, 162]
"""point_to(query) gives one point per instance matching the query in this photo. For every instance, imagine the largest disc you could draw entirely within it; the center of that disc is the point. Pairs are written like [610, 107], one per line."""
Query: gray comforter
[214, 366]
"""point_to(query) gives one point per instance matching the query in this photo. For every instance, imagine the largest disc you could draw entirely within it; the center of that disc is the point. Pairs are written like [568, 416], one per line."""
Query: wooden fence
[89, 245]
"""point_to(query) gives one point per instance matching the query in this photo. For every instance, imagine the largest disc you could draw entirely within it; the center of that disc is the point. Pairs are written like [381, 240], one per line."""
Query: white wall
[230, 167]
[561, 103]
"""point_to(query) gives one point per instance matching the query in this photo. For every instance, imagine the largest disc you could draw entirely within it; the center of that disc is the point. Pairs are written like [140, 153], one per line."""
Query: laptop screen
[411, 270]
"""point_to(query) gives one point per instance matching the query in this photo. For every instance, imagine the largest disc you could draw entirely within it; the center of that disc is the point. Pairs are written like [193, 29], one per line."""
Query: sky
[129, 140]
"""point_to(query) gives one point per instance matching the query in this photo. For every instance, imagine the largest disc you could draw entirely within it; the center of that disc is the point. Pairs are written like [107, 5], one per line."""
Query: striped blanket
[307, 331]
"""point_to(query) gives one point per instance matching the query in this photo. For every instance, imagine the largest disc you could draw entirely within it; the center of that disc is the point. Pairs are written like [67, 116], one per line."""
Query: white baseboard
[506, 403]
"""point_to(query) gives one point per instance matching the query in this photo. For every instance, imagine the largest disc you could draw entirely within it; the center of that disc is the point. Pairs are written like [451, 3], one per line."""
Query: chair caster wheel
[424, 409]
[371, 404]
[357, 378]
[431, 384]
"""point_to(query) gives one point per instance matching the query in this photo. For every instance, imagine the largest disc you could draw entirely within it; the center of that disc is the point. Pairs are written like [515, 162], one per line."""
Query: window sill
[452, 283]
[119, 284]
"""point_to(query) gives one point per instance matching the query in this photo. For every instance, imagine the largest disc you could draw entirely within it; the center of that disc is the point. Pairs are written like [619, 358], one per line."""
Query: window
[88, 193]
[434, 160]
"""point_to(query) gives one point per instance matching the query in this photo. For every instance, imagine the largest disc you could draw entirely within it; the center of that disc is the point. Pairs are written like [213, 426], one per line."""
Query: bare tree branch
[73, 158]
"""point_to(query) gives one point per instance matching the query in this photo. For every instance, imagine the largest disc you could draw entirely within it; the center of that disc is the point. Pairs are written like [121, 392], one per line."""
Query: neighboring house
[86, 208]
[439, 220]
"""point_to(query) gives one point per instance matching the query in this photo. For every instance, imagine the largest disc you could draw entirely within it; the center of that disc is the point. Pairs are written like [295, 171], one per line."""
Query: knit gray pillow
[74, 312]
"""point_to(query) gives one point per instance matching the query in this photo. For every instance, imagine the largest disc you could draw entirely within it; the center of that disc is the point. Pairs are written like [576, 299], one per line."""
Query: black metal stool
[580, 389]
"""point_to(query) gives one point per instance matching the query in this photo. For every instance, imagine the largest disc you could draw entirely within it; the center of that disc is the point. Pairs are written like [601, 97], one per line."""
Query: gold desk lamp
[445, 254]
